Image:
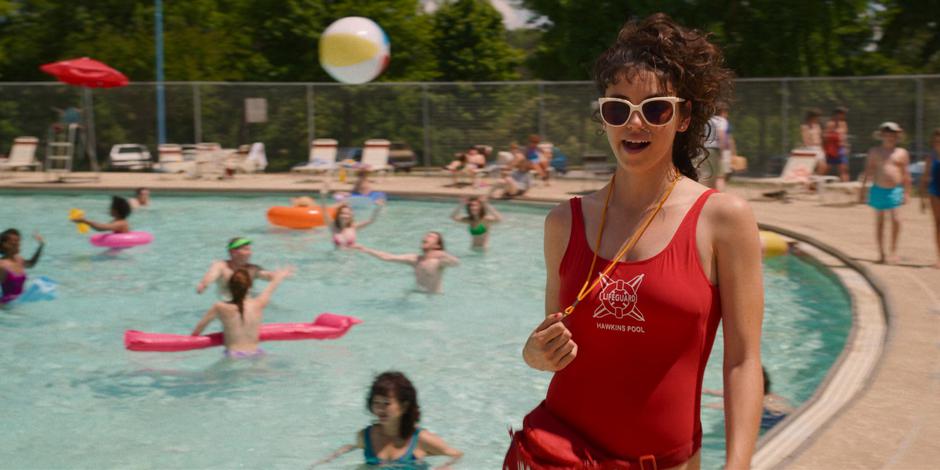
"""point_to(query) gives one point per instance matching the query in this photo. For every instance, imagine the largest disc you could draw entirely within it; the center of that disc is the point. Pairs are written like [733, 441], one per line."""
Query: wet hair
[482, 207]
[684, 61]
[440, 240]
[121, 207]
[6, 235]
[336, 221]
[139, 190]
[812, 113]
[239, 285]
[395, 384]
[766, 380]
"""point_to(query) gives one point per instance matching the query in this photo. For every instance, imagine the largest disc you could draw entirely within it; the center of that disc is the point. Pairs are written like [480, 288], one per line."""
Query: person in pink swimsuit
[13, 266]
[629, 324]
[344, 226]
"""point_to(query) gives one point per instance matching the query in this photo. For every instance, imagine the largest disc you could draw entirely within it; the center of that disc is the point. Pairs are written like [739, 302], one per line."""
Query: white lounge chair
[375, 156]
[322, 158]
[247, 159]
[22, 155]
[798, 173]
[170, 159]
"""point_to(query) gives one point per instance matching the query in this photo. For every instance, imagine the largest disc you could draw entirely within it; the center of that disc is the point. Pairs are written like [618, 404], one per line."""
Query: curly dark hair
[395, 384]
[121, 208]
[684, 61]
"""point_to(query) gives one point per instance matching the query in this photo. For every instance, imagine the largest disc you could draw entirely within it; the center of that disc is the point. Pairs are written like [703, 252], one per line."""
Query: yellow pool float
[78, 214]
[772, 244]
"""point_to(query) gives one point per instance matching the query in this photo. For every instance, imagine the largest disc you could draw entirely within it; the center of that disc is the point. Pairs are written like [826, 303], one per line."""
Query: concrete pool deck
[891, 423]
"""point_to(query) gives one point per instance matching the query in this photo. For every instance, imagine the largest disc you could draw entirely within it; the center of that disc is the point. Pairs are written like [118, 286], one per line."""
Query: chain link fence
[439, 119]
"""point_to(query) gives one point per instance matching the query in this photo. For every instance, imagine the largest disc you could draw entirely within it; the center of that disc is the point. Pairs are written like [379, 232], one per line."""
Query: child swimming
[120, 210]
[241, 317]
[396, 439]
[13, 266]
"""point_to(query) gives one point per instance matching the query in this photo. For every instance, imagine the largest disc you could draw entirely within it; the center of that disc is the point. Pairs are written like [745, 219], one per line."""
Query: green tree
[911, 35]
[759, 37]
[471, 43]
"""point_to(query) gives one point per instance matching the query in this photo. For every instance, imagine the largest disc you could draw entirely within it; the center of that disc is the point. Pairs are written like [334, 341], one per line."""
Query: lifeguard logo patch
[618, 298]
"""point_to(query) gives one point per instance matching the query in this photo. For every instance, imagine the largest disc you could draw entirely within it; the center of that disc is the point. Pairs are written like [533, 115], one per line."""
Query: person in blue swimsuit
[396, 439]
[887, 168]
[930, 187]
[480, 217]
[775, 407]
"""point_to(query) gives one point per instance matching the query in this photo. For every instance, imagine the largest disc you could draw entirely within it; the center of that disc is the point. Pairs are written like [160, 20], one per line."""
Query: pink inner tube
[325, 326]
[121, 240]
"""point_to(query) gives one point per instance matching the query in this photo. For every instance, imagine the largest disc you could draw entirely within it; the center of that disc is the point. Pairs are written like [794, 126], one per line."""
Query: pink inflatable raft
[325, 326]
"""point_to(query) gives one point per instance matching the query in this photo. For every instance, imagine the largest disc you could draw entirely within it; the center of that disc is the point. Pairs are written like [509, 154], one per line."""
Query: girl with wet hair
[242, 316]
[395, 439]
[647, 267]
[479, 219]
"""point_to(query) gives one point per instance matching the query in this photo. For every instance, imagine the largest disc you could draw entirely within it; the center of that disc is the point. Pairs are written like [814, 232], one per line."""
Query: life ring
[325, 326]
[772, 244]
[298, 217]
[121, 240]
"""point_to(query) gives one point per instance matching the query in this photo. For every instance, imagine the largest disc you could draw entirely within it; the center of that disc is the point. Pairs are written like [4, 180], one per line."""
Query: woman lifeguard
[640, 273]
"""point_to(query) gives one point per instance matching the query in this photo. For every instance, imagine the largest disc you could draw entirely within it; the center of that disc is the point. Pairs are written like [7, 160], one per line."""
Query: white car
[130, 157]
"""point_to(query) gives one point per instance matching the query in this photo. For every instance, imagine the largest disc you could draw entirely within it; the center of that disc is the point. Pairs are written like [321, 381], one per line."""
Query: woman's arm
[492, 214]
[35, 259]
[206, 319]
[406, 259]
[276, 278]
[379, 205]
[432, 444]
[549, 347]
[341, 451]
[456, 215]
[738, 261]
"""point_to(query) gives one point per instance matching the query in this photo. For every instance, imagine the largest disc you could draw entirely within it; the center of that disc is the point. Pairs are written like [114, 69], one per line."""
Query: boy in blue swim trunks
[930, 187]
[887, 166]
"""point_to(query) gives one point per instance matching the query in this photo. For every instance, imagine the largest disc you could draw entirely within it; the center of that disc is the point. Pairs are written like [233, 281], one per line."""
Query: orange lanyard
[624, 249]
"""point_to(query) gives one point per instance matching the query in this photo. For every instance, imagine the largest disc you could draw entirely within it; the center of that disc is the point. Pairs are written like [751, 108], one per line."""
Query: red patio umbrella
[85, 72]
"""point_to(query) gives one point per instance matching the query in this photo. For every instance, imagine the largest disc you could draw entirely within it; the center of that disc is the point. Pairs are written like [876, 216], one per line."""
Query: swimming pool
[73, 397]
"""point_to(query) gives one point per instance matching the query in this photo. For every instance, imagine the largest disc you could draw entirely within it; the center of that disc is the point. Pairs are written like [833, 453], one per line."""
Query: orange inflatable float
[298, 217]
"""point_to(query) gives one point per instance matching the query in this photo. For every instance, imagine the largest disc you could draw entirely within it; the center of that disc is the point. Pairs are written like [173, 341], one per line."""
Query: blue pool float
[40, 288]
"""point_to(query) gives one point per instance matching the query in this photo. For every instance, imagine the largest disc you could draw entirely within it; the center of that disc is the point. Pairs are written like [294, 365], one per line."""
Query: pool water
[73, 397]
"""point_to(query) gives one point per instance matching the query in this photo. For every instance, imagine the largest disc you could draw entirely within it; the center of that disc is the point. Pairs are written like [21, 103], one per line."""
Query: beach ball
[354, 50]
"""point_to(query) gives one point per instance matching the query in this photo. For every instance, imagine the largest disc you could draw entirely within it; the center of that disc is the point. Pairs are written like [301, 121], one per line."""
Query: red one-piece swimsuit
[644, 335]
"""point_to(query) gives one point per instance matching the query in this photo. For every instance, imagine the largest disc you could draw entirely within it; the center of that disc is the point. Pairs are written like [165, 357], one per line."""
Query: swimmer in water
[241, 317]
[13, 266]
[479, 219]
[428, 265]
[239, 252]
[120, 211]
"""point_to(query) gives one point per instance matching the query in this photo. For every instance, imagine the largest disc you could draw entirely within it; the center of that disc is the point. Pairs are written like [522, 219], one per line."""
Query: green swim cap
[238, 243]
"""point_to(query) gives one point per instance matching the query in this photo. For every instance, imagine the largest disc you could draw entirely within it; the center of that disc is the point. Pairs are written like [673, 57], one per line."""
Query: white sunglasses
[656, 111]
